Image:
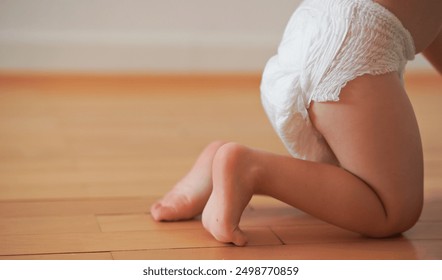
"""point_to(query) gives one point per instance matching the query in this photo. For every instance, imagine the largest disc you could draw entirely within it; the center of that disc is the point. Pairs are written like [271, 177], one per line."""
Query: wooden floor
[83, 157]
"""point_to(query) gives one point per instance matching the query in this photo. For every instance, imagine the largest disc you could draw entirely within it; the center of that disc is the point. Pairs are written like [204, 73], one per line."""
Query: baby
[334, 94]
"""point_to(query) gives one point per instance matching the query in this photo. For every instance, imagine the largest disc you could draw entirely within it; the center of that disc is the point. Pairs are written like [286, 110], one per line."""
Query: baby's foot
[232, 191]
[183, 202]
[189, 196]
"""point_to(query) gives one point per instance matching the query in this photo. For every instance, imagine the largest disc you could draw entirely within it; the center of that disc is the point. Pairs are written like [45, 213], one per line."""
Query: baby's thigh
[374, 134]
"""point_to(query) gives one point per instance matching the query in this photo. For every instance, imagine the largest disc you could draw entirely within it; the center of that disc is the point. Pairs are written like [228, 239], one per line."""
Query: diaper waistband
[374, 13]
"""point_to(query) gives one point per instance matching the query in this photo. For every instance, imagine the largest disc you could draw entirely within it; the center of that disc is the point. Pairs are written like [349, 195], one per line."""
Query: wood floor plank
[265, 202]
[16, 147]
[75, 207]
[93, 242]
[425, 231]
[36, 164]
[140, 222]
[323, 233]
[144, 221]
[76, 177]
[117, 241]
[277, 216]
[68, 190]
[398, 249]
[77, 151]
[314, 233]
[269, 211]
[432, 211]
[36, 191]
[48, 225]
[72, 256]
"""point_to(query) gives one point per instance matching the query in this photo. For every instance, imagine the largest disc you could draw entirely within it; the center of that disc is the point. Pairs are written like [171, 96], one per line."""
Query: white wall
[141, 35]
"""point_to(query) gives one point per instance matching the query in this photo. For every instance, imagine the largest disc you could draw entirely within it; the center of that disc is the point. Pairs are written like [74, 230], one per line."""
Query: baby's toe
[161, 212]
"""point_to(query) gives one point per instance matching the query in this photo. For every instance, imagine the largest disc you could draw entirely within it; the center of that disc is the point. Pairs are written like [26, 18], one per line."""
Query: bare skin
[377, 190]
[420, 17]
[189, 196]
[434, 52]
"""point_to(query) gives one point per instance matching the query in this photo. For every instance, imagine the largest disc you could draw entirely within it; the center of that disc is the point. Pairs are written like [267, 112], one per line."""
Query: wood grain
[82, 158]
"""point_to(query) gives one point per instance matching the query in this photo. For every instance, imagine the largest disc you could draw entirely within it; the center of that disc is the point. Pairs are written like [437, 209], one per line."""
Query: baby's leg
[378, 191]
[189, 196]
[434, 52]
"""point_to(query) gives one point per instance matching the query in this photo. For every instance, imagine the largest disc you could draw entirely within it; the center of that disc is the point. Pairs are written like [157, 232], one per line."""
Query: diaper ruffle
[375, 43]
[325, 45]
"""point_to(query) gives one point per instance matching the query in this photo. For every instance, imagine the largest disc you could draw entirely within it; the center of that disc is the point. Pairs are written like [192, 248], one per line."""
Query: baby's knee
[233, 159]
[229, 153]
[401, 215]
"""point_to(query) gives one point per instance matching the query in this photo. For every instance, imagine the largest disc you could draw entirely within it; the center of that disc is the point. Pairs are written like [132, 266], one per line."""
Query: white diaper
[326, 44]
